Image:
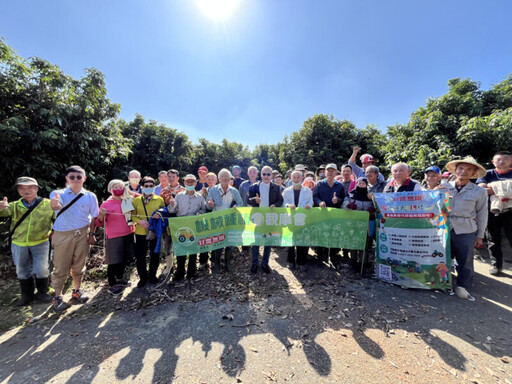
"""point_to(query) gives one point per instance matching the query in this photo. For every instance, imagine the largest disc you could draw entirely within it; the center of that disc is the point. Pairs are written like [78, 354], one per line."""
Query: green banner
[323, 227]
[413, 239]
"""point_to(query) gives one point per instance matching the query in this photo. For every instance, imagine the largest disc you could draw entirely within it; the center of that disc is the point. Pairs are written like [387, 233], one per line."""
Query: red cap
[366, 158]
[203, 168]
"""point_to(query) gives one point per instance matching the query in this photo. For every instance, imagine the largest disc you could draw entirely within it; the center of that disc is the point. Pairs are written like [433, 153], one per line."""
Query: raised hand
[171, 201]
[257, 198]
[322, 204]
[335, 198]
[210, 203]
[4, 204]
[55, 202]
[356, 149]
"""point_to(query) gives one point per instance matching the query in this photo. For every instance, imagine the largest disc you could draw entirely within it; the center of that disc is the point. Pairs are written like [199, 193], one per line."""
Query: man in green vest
[31, 224]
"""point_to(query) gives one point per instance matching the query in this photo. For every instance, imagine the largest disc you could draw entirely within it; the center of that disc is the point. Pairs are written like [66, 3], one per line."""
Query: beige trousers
[70, 250]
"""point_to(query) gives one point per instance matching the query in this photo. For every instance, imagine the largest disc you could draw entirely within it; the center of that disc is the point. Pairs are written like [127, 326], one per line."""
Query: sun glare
[217, 9]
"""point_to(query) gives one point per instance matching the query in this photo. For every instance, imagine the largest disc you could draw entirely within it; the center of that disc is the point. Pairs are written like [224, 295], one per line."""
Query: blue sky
[256, 75]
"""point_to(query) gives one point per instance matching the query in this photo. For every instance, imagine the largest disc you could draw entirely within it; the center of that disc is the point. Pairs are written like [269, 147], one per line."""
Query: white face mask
[297, 184]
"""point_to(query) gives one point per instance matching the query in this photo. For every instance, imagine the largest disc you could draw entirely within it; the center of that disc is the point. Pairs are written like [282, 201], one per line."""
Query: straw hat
[480, 170]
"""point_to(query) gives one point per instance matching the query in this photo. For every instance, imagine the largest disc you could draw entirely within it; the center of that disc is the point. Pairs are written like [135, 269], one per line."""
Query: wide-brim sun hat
[480, 170]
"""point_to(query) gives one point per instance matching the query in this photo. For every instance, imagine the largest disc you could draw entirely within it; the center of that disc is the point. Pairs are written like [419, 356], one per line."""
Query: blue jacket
[159, 226]
[215, 193]
[323, 192]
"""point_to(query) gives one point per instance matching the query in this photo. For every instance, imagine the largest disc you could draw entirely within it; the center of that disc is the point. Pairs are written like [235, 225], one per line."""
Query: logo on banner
[185, 235]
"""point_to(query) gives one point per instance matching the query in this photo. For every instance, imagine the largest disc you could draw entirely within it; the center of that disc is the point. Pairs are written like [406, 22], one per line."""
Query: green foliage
[49, 121]
[156, 147]
[465, 121]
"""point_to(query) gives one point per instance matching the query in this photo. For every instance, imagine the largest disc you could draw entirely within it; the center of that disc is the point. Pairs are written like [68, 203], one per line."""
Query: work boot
[229, 256]
[216, 261]
[27, 292]
[42, 290]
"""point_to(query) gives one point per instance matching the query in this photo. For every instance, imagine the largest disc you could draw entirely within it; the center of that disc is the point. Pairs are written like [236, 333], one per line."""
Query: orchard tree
[49, 120]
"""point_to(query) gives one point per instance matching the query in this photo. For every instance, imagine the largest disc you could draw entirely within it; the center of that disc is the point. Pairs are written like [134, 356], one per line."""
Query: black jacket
[274, 195]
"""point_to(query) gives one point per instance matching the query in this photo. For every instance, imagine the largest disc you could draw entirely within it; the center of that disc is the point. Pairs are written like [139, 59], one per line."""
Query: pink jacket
[115, 222]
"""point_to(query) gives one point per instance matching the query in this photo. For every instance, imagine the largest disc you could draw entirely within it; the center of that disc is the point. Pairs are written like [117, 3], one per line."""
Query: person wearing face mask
[119, 246]
[31, 223]
[252, 173]
[320, 173]
[187, 203]
[263, 194]
[134, 183]
[144, 206]
[297, 196]
[223, 196]
[358, 200]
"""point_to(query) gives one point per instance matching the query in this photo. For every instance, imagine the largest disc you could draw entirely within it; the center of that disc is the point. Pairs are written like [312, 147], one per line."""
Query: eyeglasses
[73, 177]
[266, 174]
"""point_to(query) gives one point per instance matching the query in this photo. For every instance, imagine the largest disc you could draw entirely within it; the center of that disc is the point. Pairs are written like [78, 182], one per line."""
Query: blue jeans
[31, 261]
[256, 255]
[462, 251]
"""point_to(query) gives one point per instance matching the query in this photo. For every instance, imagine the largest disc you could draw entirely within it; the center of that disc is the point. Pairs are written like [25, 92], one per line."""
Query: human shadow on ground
[84, 345]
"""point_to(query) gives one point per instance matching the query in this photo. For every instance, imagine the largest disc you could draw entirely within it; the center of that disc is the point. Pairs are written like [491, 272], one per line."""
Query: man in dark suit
[263, 193]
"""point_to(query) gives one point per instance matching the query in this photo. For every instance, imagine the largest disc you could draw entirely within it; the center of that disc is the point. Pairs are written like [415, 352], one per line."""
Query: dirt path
[319, 327]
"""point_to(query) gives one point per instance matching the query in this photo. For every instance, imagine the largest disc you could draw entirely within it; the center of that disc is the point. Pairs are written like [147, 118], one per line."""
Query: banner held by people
[413, 245]
[323, 227]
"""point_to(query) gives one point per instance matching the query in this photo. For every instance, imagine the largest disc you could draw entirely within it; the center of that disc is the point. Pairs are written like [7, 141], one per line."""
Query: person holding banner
[297, 196]
[187, 203]
[31, 223]
[119, 246]
[144, 206]
[401, 181]
[252, 173]
[263, 194]
[468, 218]
[329, 193]
[223, 196]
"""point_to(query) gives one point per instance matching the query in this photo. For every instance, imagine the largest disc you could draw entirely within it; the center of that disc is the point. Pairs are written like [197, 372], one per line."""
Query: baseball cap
[433, 168]
[25, 180]
[191, 177]
[203, 168]
[366, 158]
[331, 166]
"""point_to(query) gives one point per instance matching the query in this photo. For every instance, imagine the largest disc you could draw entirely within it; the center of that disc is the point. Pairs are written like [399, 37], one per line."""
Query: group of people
[134, 217]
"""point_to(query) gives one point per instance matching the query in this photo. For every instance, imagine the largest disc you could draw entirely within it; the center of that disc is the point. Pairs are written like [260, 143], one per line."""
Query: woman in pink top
[119, 246]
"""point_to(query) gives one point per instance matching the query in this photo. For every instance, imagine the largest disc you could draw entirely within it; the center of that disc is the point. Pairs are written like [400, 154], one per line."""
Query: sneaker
[494, 270]
[123, 282]
[116, 290]
[141, 283]
[265, 268]
[461, 293]
[79, 295]
[59, 304]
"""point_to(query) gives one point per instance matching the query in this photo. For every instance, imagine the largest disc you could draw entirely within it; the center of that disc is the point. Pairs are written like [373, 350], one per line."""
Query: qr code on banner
[385, 272]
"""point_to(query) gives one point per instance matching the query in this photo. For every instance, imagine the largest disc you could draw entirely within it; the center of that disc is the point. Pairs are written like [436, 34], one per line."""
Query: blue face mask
[190, 187]
[148, 191]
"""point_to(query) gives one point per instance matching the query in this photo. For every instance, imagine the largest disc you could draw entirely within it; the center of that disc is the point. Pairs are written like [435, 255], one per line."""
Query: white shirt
[264, 194]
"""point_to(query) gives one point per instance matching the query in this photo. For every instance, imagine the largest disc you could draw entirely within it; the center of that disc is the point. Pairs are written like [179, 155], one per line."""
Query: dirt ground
[322, 326]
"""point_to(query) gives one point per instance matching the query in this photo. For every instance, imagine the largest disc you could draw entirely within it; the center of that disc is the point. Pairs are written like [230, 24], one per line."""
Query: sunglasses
[149, 185]
[266, 174]
[73, 177]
